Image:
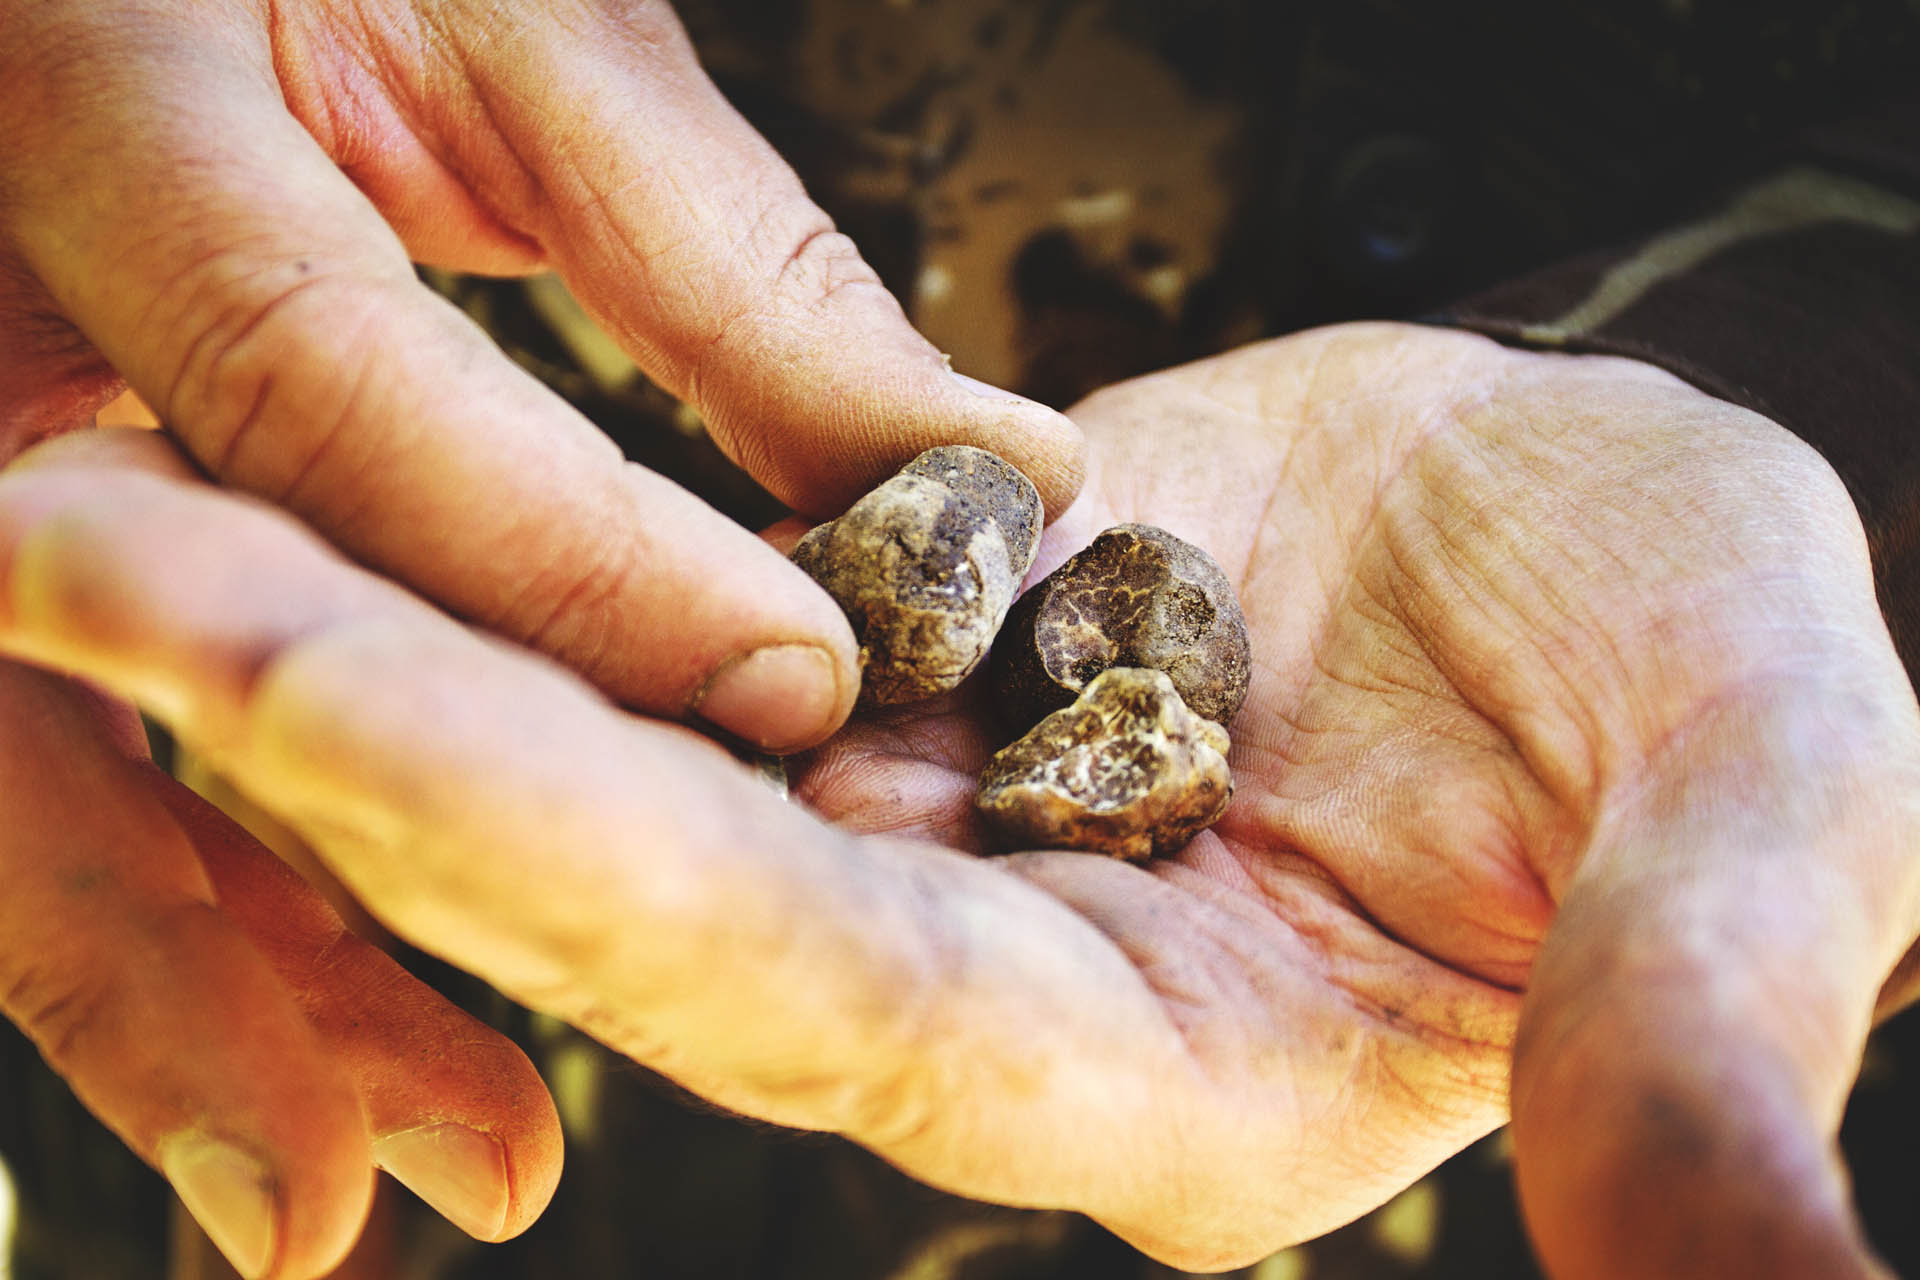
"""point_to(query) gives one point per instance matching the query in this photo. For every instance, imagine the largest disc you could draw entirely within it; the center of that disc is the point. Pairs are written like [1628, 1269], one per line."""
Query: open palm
[1576, 779]
[1527, 631]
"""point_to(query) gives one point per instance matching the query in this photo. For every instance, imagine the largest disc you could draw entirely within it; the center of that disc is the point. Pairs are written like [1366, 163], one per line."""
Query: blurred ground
[1066, 193]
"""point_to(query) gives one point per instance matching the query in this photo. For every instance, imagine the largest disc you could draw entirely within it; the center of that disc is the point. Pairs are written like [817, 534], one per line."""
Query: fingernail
[461, 1172]
[778, 698]
[229, 1193]
[987, 391]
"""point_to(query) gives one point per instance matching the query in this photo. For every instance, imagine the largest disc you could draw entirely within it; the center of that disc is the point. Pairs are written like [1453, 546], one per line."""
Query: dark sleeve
[1797, 297]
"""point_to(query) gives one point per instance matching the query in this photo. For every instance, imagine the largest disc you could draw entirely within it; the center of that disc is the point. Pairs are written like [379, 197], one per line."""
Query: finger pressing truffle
[1127, 770]
[1136, 597]
[926, 566]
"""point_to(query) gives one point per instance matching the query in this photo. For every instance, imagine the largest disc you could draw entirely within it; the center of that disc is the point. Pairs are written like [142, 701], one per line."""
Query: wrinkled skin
[219, 203]
[1577, 769]
[1568, 682]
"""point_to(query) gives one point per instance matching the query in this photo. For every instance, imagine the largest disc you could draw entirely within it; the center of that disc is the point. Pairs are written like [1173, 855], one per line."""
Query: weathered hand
[220, 202]
[1568, 679]
[211, 1008]
[1570, 682]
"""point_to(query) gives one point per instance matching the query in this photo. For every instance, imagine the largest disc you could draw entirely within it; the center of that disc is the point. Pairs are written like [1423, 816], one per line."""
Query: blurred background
[1065, 193]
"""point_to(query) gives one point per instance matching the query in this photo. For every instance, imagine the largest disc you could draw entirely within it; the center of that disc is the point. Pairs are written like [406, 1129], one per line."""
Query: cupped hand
[1576, 745]
[1570, 683]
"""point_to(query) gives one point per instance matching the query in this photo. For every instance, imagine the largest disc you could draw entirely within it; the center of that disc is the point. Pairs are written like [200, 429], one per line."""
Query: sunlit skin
[1575, 742]
[1536, 639]
[220, 203]
[1577, 754]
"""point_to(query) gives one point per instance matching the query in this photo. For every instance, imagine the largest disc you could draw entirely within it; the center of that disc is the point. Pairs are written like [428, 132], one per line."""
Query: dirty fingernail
[778, 698]
[229, 1193]
[461, 1172]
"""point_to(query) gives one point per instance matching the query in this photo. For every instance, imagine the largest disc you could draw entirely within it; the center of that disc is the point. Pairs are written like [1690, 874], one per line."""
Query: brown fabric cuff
[1798, 298]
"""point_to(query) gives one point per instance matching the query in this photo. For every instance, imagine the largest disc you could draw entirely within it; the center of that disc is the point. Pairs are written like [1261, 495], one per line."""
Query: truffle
[1136, 597]
[926, 566]
[1127, 770]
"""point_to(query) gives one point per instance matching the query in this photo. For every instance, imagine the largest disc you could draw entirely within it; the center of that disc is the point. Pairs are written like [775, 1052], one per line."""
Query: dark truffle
[1136, 597]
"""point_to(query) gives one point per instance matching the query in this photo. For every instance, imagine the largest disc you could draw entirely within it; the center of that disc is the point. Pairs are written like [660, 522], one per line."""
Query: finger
[160, 1014]
[622, 874]
[256, 298]
[455, 1110]
[690, 239]
[1697, 1013]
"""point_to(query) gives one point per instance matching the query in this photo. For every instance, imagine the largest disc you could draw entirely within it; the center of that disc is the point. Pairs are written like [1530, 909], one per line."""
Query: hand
[1570, 682]
[218, 202]
[212, 1010]
[1568, 678]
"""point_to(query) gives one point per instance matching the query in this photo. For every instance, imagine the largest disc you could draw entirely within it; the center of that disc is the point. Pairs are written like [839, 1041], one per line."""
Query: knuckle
[897, 1103]
[821, 264]
[810, 261]
[818, 267]
[888, 1103]
[886, 1096]
[894, 1111]
[272, 370]
[60, 1009]
[574, 610]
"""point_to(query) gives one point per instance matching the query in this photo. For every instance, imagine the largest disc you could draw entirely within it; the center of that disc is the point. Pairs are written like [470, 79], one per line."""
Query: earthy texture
[926, 566]
[1127, 770]
[1136, 597]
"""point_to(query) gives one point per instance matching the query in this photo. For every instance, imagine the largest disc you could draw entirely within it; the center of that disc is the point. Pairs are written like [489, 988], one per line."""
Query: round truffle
[926, 566]
[1136, 597]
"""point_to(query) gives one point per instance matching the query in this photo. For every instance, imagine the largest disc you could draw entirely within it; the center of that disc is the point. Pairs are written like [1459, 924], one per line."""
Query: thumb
[248, 291]
[1697, 1014]
[686, 235]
